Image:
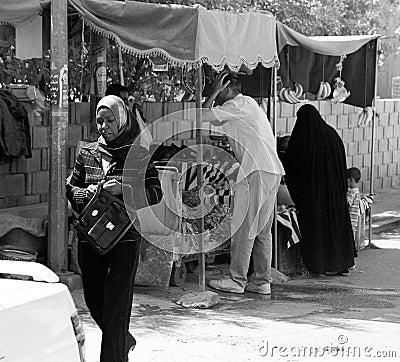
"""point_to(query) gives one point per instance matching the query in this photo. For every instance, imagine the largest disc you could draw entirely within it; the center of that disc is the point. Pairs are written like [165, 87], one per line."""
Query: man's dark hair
[354, 173]
[234, 84]
[115, 89]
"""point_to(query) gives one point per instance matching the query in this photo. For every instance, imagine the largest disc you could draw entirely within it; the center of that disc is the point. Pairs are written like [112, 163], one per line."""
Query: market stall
[196, 38]
[187, 37]
[311, 60]
[340, 69]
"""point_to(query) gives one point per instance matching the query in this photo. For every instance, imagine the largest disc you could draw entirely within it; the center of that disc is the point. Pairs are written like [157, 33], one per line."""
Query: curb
[384, 226]
[326, 284]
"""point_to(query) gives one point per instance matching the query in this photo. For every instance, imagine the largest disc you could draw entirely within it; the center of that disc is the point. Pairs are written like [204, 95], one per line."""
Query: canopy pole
[371, 171]
[199, 160]
[98, 61]
[121, 69]
[273, 103]
[57, 236]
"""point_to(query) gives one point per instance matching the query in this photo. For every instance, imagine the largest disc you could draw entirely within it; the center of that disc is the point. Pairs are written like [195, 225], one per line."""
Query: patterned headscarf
[127, 128]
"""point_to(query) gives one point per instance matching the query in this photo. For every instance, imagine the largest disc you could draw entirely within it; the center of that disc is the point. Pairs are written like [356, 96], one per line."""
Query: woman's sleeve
[75, 189]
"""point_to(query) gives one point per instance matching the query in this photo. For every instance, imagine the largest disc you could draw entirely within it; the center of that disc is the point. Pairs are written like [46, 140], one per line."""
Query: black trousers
[108, 289]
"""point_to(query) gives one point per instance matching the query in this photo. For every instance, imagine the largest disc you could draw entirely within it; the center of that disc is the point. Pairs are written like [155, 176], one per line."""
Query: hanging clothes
[15, 137]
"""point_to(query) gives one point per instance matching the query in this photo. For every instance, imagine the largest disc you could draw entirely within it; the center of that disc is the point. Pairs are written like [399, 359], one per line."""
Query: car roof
[37, 271]
[19, 292]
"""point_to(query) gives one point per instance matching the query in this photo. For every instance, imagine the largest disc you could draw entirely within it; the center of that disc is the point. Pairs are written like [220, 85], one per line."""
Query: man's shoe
[260, 289]
[226, 285]
[345, 272]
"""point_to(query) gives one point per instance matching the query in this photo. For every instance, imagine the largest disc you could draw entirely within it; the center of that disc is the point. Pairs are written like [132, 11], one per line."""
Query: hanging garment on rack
[218, 175]
[211, 173]
[15, 139]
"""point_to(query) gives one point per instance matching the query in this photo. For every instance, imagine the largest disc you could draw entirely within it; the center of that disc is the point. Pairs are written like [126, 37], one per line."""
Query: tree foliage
[309, 17]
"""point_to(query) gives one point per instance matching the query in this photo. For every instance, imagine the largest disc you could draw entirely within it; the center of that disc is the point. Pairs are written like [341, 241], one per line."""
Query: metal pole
[371, 171]
[98, 49]
[199, 159]
[121, 70]
[274, 105]
[57, 235]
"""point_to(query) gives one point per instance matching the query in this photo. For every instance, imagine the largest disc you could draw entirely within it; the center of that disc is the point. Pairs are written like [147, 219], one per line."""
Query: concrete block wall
[25, 182]
[176, 123]
[358, 139]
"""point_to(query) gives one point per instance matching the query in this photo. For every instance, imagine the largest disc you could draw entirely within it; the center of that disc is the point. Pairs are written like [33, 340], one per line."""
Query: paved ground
[330, 318]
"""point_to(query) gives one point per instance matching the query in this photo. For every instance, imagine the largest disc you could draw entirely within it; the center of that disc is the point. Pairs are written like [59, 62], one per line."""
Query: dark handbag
[104, 221]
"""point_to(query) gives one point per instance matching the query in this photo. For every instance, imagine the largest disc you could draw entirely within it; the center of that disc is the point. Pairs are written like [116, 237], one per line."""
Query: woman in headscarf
[108, 279]
[317, 181]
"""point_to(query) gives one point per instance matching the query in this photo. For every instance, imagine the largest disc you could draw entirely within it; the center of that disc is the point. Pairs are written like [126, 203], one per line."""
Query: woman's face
[107, 125]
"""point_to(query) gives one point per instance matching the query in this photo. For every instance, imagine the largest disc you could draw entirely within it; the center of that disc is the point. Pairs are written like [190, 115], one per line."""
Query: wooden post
[57, 235]
[199, 142]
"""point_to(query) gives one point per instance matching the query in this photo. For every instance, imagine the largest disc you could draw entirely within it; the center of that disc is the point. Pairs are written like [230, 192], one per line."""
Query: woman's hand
[90, 191]
[113, 186]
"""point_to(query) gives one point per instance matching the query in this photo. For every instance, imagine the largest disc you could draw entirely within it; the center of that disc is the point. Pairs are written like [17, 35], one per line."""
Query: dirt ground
[354, 318]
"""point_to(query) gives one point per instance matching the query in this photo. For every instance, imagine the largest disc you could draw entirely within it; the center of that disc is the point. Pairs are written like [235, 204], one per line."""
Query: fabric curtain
[309, 69]
[311, 60]
[186, 36]
[16, 12]
[327, 45]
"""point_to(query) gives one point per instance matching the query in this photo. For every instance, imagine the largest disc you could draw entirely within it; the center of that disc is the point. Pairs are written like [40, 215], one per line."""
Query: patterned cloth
[212, 174]
[366, 202]
[358, 204]
[288, 219]
[353, 200]
[217, 175]
[88, 170]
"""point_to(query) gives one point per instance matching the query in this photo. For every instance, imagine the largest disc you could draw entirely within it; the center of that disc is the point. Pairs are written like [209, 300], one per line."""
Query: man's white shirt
[250, 136]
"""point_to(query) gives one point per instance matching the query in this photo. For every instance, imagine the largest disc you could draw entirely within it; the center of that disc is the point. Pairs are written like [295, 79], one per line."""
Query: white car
[38, 318]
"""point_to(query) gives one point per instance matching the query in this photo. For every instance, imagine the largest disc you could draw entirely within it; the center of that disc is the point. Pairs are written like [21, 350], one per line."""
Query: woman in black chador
[317, 181]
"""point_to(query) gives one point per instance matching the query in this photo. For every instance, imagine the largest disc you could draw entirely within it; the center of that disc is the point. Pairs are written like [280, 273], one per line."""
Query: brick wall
[358, 140]
[26, 181]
